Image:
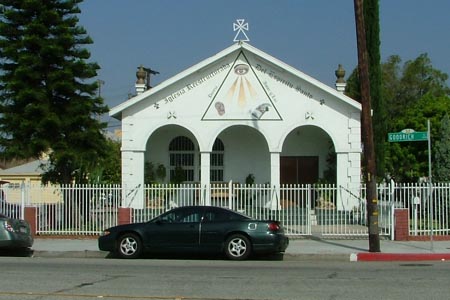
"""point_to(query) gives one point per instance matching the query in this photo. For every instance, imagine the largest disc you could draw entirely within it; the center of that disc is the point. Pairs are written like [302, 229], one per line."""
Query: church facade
[238, 115]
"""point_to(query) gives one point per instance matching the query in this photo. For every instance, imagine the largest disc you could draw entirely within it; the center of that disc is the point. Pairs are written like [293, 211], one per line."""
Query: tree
[442, 154]
[48, 100]
[413, 93]
[408, 161]
[405, 85]
[111, 163]
[154, 173]
[106, 171]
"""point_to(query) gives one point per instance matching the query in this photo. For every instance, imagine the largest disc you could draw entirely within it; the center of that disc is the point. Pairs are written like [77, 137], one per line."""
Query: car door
[214, 226]
[175, 230]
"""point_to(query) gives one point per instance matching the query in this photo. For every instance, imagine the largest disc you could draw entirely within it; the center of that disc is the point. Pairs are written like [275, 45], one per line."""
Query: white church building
[238, 114]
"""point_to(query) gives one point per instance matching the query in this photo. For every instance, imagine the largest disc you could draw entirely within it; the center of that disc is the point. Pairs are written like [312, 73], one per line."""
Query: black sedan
[206, 229]
[14, 233]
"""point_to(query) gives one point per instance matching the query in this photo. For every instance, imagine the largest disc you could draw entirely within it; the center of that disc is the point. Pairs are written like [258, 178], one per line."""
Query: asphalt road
[60, 278]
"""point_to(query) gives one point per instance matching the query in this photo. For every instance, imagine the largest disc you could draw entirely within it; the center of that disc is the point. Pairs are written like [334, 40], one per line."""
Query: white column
[275, 168]
[133, 179]
[341, 178]
[205, 192]
[347, 180]
[275, 180]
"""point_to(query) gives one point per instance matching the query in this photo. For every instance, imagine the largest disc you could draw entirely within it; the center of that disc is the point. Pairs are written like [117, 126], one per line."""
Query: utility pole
[99, 86]
[369, 165]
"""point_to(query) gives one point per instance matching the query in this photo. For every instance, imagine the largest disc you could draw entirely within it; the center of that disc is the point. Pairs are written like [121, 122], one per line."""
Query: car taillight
[274, 226]
[9, 227]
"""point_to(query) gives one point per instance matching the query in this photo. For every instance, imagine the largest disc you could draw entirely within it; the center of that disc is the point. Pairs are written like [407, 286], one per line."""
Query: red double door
[299, 169]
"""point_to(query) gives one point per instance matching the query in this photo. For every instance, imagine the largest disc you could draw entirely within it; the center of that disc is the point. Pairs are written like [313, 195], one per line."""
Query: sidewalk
[310, 248]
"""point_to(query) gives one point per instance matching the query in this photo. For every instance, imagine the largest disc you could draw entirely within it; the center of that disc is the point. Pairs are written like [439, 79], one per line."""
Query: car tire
[238, 247]
[129, 245]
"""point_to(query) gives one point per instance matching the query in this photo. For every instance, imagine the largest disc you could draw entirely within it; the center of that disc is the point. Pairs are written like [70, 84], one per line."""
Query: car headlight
[105, 233]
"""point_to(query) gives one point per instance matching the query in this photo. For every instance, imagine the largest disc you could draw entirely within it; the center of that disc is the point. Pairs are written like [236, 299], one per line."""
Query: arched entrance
[307, 157]
[246, 153]
[175, 149]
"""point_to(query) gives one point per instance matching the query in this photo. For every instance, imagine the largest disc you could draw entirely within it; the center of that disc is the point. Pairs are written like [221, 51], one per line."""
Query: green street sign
[407, 135]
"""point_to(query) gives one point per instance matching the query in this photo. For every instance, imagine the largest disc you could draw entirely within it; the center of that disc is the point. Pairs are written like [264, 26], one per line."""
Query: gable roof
[116, 111]
[31, 168]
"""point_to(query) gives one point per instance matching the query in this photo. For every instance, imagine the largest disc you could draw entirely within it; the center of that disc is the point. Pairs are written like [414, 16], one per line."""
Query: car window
[167, 218]
[220, 215]
[182, 216]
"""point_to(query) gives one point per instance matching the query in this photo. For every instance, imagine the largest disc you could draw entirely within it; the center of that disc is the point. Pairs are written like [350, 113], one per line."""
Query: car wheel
[129, 246]
[238, 247]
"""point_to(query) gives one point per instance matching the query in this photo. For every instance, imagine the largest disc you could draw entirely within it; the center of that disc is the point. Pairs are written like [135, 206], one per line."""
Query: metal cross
[240, 27]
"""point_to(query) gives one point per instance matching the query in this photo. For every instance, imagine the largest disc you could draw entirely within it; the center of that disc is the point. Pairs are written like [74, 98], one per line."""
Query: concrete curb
[316, 257]
[399, 256]
[101, 254]
[70, 254]
[353, 257]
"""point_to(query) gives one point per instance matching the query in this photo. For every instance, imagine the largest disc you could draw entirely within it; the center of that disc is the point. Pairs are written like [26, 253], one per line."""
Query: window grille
[181, 154]
[216, 168]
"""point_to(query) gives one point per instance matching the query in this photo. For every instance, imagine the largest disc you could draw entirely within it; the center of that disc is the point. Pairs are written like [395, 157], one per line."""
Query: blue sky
[313, 36]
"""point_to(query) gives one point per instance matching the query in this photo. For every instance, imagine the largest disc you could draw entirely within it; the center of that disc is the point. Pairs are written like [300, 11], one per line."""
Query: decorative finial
[340, 81]
[240, 27]
[340, 73]
[141, 75]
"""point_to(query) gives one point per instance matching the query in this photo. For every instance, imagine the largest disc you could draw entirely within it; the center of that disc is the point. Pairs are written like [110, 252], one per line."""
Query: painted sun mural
[241, 96]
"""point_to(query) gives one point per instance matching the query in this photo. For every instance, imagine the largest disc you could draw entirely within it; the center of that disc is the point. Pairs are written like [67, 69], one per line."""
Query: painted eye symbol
[241, 69]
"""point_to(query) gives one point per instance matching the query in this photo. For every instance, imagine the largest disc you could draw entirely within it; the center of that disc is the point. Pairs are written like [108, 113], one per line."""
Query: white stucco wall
[303, 116]
[246, 153]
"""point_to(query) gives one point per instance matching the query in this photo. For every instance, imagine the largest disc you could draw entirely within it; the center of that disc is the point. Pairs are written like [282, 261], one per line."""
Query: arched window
[181, 156]
[216, 172]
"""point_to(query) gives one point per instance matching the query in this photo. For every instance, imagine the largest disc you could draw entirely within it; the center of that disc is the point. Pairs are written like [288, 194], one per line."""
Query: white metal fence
[82, 210]
[303, 209]
[428, 206]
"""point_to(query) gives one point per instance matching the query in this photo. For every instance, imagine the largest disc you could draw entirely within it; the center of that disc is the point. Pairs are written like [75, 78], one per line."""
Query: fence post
[392, 221]
[401, 224]
[22, 200]
[230, 194]
[124, 215]
[30, 216]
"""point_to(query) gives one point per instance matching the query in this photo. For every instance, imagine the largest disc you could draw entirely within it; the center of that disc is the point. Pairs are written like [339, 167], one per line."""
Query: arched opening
[245, 153]
[308, 157]
[171, 156]
[181, 160]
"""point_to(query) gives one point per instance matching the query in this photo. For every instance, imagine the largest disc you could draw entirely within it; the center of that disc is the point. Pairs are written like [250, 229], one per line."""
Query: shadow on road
[202, 256]
[22, 252]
